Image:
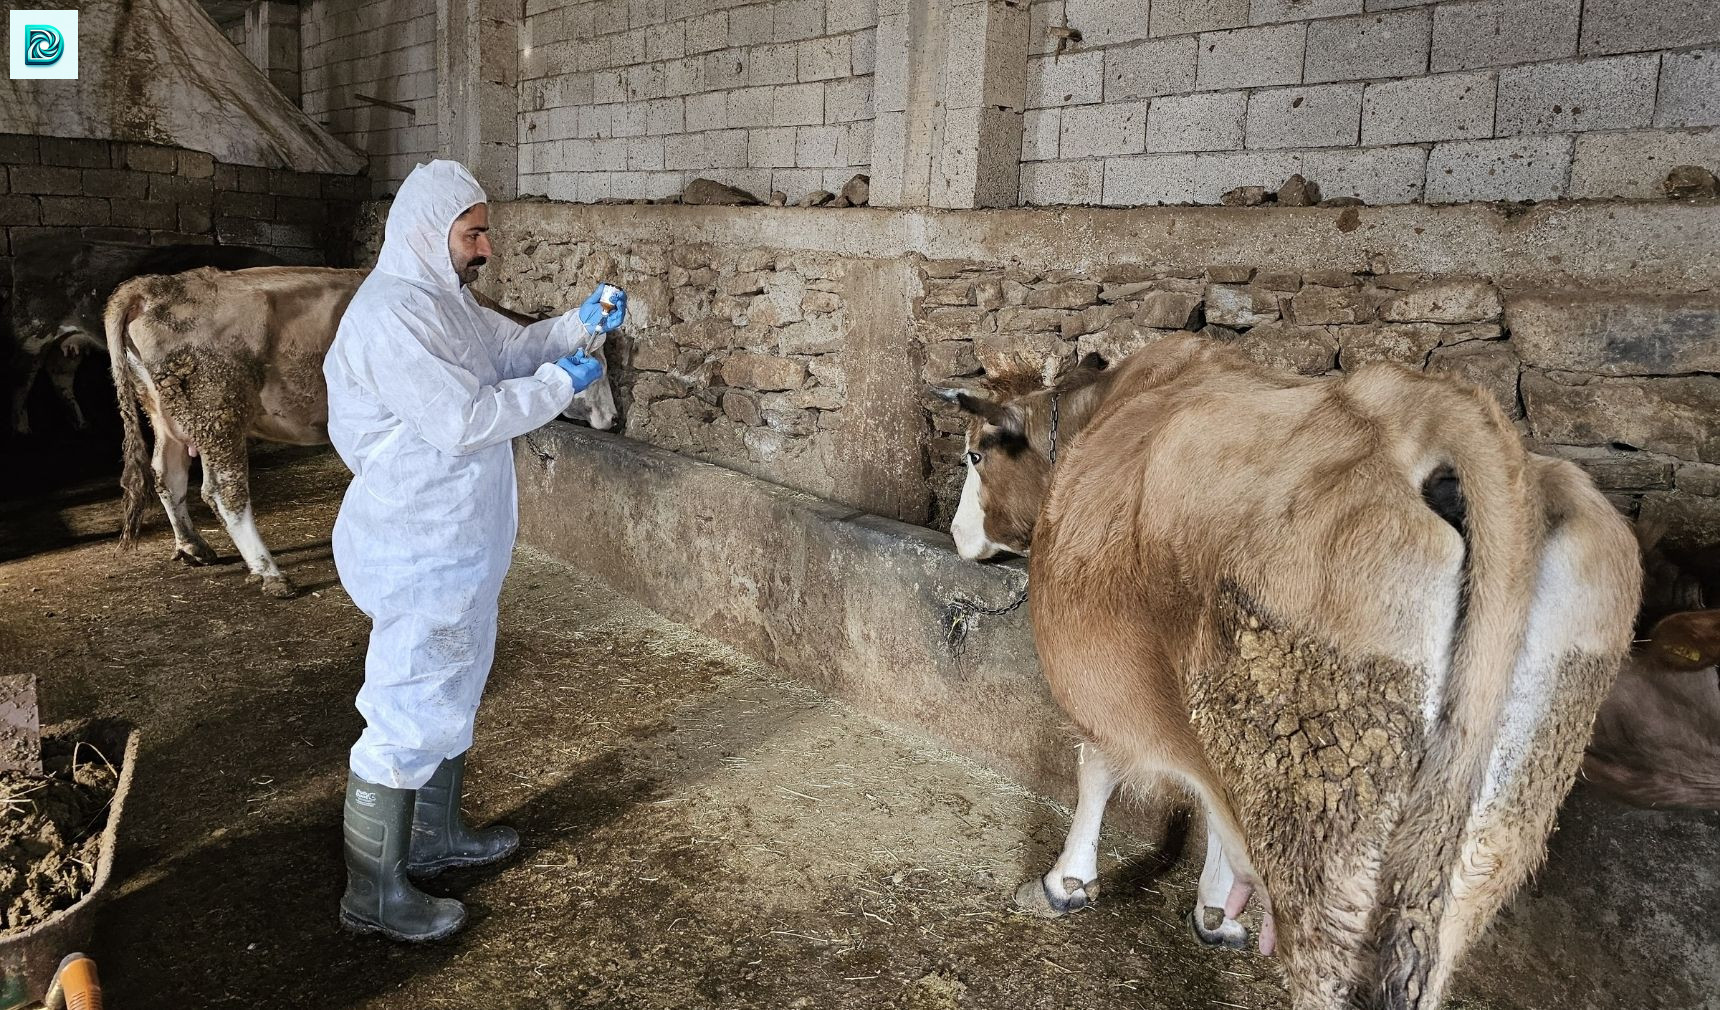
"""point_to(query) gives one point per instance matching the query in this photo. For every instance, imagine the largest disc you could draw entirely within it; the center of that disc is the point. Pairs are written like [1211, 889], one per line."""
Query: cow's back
[1304, 494]
[252, 341]
[65, 281]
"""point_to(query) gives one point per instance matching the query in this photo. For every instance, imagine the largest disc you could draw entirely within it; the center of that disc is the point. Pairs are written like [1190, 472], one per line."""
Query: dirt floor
[698, 831]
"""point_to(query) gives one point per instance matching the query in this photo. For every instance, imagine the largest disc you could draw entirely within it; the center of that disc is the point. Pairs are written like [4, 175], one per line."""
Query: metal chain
[975, 608]
[1055, 397]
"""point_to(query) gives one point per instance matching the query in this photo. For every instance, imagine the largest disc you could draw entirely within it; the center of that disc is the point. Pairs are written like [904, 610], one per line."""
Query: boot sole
[353, 924]
[425, 871]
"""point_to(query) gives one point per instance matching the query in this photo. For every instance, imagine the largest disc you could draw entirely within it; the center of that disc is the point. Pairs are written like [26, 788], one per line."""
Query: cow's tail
[135, 479]
[1502, 531]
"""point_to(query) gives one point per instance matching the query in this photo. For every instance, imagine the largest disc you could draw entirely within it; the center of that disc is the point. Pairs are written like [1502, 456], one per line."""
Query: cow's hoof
[1226, 933]
[277, 586]
[1035, 897]
[196, 555]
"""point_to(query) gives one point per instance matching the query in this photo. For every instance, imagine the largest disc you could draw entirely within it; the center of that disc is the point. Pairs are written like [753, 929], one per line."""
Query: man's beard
[470, 272]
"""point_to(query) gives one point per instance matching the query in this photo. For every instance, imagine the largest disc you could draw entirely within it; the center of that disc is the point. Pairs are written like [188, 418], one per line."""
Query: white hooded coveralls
[426, 388]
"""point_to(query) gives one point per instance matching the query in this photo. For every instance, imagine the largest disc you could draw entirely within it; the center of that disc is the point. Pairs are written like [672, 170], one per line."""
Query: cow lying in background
[1353, 616]
[219, 358]
[1657, 740]
[59, 287]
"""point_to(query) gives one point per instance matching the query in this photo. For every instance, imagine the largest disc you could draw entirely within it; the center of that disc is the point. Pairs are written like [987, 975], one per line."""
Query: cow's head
[1009, 457]
[595, 405]
[1684, 643]
[1657, 738]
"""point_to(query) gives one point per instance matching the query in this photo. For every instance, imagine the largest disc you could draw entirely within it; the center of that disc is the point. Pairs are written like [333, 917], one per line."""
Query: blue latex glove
[582, 368]
[598, 321]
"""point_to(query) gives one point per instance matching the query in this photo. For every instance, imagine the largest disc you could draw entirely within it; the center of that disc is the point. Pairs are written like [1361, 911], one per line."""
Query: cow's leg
[63, 373]
[227, 481]
[172, 465]
[26, 360]
[1074, 879]
[1214, 924]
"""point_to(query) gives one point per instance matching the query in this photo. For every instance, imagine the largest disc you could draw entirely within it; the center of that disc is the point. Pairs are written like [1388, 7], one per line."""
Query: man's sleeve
[441, 400]
[521, 349]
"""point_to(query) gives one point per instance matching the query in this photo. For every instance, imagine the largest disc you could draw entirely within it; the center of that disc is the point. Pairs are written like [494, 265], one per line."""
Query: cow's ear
[1093, 362]
[1005, 417]
[1686, 642]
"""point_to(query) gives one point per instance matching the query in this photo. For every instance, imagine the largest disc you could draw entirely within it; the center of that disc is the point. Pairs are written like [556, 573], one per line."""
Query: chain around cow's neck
[1055, 397]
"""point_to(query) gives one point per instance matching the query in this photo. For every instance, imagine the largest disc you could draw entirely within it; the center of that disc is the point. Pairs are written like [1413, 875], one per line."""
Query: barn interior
[771, 742]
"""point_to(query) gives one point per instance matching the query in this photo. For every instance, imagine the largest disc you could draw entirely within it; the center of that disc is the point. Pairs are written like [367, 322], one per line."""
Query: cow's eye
[973, 459]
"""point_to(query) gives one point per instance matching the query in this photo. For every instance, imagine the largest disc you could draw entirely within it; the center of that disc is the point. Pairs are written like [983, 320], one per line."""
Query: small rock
[1240, 306]
[763, 372]
[1285, 347]
[858, 190]
[1298, 192]
[1064, 295]
[1170, 310]
[1124, 292]
[1315, 305]
[1245, 196]
[1688, 181]
[1449, 301]
[816, 198]
[1491, 365]
[1343, 201]
[709, 192]
[840, 201]
[778, 198]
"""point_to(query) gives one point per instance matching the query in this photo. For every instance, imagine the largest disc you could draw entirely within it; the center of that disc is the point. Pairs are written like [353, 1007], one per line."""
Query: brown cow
[217, 358]
[1657, 739]
[1352, 615]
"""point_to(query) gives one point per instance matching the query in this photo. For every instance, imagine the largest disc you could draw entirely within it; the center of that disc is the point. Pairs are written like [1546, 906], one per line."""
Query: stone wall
[1392, 101]
[622, 99]
[1622, 383]
[796, 345]
[147, 194]
[384, 49]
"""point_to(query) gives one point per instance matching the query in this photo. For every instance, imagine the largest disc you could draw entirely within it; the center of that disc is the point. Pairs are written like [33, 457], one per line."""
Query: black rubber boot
[440, 838]
[379, 898]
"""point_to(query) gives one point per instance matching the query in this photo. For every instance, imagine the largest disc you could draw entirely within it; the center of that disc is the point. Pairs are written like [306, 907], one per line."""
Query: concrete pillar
[985, 93]
[477, 97]
[272, 43]
[949, 92]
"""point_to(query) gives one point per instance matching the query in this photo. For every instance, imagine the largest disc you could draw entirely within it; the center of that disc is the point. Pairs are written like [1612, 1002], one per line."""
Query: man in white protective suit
[425, 391]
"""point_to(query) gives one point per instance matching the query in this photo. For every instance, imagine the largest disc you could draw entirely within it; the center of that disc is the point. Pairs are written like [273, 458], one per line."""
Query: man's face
[469, 242]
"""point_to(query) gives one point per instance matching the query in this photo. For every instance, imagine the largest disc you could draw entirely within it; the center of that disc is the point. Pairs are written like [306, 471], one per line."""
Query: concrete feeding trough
[28, 959]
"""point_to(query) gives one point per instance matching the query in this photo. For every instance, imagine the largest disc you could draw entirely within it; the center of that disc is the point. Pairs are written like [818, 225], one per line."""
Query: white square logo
[43, 45]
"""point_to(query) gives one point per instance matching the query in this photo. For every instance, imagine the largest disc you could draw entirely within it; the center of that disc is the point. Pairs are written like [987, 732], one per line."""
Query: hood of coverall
[415, 240]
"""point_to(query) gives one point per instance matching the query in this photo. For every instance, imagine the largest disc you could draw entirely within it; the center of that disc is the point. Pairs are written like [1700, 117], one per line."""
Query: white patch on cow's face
[968, 527]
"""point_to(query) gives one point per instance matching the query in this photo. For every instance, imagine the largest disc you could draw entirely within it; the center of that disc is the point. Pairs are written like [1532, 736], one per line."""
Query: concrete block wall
[384, 49]
[632, 99]
[146, 194]
[1392, 101]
